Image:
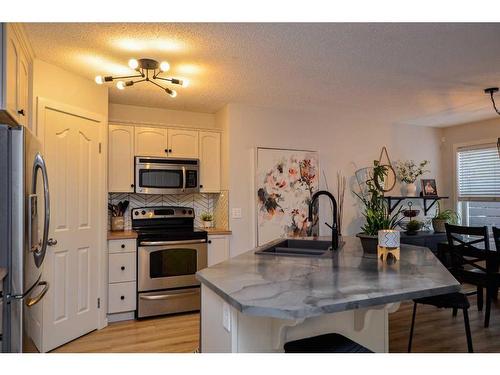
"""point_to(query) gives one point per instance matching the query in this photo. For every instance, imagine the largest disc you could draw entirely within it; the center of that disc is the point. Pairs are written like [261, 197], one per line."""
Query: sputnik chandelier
[148, 70]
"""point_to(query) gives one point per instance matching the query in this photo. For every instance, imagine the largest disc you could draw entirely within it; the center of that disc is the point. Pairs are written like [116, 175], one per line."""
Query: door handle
[34, 300]
[166, 243]
[39, 163]
[183, 178]
[51, 242]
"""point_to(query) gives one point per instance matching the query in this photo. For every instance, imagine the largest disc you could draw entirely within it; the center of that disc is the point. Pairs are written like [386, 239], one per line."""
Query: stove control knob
[143, 212]
[136, 213]
[190, 212]
[183, 212]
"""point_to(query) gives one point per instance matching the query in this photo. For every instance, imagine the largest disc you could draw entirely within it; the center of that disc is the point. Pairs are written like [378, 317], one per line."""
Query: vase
[410, 190]
[117, 223]
[207, 224]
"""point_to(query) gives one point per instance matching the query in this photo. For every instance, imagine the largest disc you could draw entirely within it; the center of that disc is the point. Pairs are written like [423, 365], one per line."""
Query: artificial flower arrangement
[408, 171]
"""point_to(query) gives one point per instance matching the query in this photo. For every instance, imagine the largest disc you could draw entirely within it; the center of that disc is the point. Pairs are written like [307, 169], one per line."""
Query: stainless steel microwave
[166, 175]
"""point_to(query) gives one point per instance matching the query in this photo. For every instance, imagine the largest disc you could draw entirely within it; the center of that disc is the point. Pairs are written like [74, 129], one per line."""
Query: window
[478, 185]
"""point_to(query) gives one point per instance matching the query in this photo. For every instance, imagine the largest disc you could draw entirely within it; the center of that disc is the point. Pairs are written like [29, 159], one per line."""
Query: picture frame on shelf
[429, 188]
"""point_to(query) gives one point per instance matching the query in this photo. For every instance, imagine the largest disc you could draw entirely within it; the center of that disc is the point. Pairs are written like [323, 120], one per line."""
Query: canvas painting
[285, 182]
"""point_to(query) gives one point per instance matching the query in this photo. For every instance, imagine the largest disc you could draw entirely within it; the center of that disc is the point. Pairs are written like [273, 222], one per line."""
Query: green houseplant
[443, 217]
[413, 226]
[376, 211]
[207, 219]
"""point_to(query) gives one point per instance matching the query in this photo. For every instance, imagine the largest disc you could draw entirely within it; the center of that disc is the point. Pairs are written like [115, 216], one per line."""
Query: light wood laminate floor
[435, 331]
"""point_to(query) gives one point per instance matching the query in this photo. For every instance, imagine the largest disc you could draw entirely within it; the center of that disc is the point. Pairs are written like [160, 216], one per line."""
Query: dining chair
[472, 262]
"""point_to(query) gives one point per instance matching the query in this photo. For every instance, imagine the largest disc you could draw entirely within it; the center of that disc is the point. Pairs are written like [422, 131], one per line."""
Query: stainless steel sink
[299, 248]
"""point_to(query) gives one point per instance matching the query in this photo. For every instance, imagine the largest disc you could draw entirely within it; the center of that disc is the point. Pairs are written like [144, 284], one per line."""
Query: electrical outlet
[226, 316]
[236, 213]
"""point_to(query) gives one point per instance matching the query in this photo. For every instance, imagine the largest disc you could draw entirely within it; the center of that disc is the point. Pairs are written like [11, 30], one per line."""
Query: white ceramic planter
[388, 238]
[410, 190]
[207, 224]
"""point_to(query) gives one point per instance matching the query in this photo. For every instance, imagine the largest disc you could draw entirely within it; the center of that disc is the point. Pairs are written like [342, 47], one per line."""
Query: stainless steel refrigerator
[24, 229]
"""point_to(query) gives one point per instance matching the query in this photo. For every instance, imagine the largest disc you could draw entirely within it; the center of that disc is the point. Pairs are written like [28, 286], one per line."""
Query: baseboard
[118, 317]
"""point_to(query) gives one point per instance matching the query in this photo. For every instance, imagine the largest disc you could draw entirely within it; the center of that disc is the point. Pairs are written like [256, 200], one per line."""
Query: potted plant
[413, 226]
[207, 219]
[376, 212]
[442, 217]
[408, 172]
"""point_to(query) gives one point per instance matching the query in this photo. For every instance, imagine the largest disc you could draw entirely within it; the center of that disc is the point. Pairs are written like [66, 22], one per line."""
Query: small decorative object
[285, 183]
[443, 217]
[413, 226]
[376, 213]
[408, 172]
[388, 245]
[117, 211]
[387, 181]
[207, 219]
[410, 212]
[429, 187]
[147, 70]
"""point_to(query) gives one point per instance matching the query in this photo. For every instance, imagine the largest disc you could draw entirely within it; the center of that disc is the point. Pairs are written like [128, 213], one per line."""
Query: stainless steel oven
[166, 175]
[170, 252]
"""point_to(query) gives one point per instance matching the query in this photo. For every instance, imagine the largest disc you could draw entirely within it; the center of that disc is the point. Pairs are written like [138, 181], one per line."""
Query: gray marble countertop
[298, 287]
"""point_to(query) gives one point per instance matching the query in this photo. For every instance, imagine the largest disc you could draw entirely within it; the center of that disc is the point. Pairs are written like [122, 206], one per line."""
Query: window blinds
[478, 173]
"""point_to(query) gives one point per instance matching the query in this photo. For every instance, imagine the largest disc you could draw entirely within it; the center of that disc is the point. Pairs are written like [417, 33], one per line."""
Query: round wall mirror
[388, 181]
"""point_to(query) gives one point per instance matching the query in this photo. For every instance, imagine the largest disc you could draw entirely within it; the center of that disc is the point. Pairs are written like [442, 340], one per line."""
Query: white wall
[460, 134]
[344, 144]
[54, 83]
[159, 116]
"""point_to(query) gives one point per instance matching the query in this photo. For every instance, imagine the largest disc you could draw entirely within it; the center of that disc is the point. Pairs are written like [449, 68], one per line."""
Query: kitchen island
[257, 303]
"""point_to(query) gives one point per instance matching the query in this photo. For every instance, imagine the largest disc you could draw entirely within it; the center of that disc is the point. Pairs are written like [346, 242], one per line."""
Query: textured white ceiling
[422, 74]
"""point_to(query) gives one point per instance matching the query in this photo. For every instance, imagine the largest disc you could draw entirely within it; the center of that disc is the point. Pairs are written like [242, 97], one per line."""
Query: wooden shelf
[393, 201]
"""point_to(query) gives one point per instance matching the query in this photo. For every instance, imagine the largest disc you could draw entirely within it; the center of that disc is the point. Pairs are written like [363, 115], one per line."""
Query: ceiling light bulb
[99, 80]
[133, 64]
[120, 85]
[164, 66]
[185, 83]
[173, 93]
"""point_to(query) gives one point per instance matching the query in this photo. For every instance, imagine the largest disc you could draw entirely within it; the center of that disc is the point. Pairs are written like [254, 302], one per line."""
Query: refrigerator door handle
[31, 301]
[39, 164]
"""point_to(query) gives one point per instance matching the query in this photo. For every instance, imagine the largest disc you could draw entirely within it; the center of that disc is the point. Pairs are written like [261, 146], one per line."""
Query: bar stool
[327, 343]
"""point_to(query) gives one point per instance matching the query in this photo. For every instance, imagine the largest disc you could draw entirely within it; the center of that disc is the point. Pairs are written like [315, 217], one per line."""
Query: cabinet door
[121, 158]
[218, 249]
[11, 73]
[23, 101]
[150, 141]
[210, 162]
[183, 143]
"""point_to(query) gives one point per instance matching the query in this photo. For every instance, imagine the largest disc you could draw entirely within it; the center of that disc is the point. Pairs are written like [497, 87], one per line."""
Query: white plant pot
[207, 224]
[410, 190]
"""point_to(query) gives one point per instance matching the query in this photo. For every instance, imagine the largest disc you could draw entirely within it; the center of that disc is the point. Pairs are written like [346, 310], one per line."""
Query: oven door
[170, 264]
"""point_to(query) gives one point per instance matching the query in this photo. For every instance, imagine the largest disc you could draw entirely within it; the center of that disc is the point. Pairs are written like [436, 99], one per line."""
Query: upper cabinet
[151, 141]
[182, 143]
[127, 141]
[121, 158]
[210, 155]
[16, 61]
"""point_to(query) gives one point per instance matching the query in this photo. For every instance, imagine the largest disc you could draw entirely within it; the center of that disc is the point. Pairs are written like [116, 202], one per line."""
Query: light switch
[236, 213]
[226, 317]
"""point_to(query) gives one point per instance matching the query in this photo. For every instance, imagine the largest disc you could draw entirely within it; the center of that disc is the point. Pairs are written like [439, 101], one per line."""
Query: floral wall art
[285, 182]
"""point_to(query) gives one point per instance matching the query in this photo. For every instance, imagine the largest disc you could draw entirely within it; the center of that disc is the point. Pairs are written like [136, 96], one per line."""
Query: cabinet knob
[132, 185]
[166, 150]
[122, 298]
[21, 112]
[170, 150]
[123, 246]
[123, 268]
[201, 186]
[209, 241]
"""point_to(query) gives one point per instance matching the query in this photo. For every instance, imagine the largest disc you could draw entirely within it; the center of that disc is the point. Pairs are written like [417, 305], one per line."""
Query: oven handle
[168, 296]
[163, 243]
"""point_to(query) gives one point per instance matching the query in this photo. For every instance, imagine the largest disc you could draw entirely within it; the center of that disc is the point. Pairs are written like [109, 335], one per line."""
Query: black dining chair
[472, 262]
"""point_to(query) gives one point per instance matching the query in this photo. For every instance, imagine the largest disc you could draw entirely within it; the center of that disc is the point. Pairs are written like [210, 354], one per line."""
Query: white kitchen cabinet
[218, 249]
[151, 141]
[16, 66]
[121, 158]
[182, 143]
[210, 161]
[122, 275]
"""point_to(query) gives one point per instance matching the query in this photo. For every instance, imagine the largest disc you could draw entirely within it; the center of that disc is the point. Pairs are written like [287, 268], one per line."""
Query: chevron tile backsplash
[216, 204]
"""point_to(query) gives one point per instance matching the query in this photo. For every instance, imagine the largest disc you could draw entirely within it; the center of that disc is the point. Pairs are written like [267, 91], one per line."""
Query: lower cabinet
[218, 248]
[122, 287]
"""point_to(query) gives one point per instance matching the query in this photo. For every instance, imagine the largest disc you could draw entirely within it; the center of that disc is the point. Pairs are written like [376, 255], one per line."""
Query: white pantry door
[71, 144]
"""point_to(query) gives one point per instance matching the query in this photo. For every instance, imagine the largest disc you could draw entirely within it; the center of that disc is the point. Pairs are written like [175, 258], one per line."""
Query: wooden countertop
[122, 235]
[219, 231]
